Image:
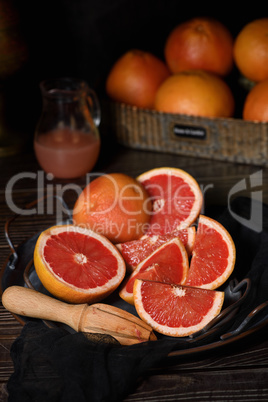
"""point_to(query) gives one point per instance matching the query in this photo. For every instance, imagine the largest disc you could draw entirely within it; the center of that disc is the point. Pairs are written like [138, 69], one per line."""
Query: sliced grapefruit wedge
[176, 196]
[77, 265]
[135, 251]
[169, 264]
[213, 257]
[175, 310]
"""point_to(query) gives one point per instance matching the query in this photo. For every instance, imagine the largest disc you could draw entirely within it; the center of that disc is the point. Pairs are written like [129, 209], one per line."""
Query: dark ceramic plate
[19, 270]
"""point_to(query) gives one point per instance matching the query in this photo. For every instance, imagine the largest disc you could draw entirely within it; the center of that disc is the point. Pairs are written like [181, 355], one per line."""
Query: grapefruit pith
[175, 310]
[77, 265]
[176, 197]
[168, 264]
[213, 257]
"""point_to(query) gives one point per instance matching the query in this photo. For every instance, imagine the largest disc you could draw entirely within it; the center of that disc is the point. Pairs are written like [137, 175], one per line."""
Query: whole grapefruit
[256, 103]
[195, 92]
[135, 78]
[114, 205]
[200, 43]
[251, 50]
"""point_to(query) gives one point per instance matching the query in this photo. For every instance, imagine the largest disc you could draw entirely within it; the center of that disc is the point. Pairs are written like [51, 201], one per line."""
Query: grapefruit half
[77, 265]
[168, 264]
[176, 196]
[213, 257]
[175, 310]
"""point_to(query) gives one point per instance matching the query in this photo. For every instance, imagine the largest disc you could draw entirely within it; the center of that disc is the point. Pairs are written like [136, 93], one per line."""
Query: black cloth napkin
[55, 366]
[51, 364]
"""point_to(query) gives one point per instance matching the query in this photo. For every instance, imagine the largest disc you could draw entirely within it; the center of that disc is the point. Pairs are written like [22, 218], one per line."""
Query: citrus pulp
[168, 264]
[213, 256]
[176, 197]
[136, 251]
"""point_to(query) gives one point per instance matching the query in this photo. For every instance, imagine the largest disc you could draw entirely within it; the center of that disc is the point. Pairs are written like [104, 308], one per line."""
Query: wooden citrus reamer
[96, 318]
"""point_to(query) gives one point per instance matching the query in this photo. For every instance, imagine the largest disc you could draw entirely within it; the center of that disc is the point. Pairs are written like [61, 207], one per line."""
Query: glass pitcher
[67, 140]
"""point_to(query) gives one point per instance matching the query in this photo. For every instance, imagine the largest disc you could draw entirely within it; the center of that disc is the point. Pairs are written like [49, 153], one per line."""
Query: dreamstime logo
[180, 201]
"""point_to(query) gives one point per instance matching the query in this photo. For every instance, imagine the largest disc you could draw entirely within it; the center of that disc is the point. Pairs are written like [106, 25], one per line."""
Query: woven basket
[233, 140]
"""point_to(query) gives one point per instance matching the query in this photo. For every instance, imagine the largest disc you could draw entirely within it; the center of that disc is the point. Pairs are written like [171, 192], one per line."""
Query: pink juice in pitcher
[67, 153]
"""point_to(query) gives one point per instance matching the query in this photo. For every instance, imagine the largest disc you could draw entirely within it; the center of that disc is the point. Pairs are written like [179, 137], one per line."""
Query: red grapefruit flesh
[175, 310]
[169, 264]
[77, 265]
[136, 251]
[213, 257]
[176, 196]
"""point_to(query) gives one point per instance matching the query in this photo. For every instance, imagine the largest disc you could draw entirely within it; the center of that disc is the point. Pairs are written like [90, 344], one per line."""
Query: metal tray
[19, 270]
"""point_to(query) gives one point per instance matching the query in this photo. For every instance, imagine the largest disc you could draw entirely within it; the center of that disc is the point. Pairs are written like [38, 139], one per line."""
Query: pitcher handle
[94, 106]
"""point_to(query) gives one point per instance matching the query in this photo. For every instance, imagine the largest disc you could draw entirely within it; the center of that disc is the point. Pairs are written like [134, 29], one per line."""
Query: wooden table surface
[237, 372]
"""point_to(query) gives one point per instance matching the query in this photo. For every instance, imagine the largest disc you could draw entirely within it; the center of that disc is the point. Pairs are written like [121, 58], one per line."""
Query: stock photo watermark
[252, 184]
[47, 192]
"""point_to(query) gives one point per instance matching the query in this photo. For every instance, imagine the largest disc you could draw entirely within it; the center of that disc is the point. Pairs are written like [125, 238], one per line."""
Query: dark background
[83, 38]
